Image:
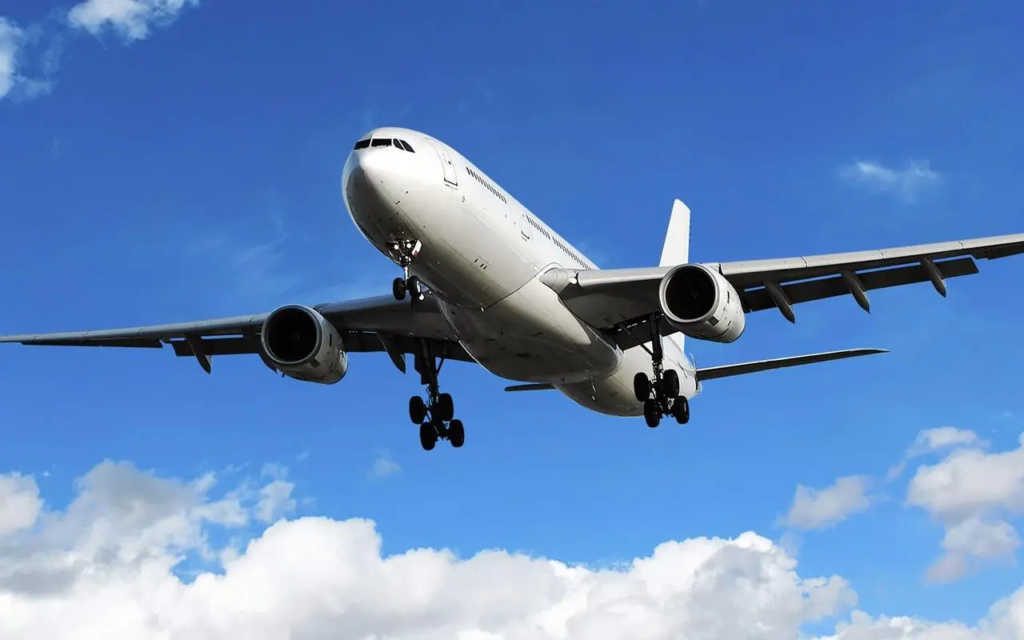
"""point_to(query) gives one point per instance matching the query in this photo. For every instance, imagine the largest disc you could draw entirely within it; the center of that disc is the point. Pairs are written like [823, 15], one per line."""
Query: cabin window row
[487, 185]
[558, 243]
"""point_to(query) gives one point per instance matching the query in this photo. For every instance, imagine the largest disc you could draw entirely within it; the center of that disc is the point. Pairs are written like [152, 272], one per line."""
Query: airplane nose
[368, 173]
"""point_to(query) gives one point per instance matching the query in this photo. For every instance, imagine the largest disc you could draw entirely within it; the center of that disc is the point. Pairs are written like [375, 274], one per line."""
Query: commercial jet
[486, 281]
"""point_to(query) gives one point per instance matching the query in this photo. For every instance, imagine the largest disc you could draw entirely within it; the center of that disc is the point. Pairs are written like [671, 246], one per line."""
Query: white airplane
[486, 281]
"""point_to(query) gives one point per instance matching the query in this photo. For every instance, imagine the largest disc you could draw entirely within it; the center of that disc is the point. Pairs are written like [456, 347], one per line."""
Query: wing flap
[830, 287]
[729, 370]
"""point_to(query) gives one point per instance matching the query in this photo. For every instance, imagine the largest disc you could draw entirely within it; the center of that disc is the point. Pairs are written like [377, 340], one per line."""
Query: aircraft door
[524, 226]
[451, 176]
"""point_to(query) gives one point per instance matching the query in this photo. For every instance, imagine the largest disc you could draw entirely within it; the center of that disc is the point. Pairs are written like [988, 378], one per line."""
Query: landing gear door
[450, 175]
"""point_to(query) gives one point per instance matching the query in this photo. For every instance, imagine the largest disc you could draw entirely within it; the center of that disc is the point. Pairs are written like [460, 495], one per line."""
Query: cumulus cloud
[905, 183]
[934, 440]
[19, 503]
[119, 545]
[971, 492]
[132, 19]
[821, 508]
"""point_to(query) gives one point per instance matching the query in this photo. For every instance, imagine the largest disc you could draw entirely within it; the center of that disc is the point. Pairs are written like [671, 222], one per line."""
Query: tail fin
[677, 251]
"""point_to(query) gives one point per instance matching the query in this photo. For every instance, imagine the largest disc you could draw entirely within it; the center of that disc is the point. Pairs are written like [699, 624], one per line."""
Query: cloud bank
[110, 566]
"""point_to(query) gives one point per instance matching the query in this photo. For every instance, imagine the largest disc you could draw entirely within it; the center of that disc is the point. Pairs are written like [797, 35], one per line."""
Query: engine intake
[304, 345]
[701, 303]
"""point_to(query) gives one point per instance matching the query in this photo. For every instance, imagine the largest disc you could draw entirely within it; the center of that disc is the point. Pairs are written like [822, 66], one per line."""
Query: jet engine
[701, 303]
[303, 345]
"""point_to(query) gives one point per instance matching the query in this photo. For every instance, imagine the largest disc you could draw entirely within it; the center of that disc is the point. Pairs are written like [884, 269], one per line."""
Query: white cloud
[10, 42]
[19, 503]
[906, 183]
[275, 498]
[933, 440]
[118, 544]
[384, 466]
[971, 492]
[821, 508]
[130, 18]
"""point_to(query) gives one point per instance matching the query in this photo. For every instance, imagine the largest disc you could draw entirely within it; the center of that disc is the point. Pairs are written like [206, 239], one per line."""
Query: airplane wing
[367, 325]
[620, 300]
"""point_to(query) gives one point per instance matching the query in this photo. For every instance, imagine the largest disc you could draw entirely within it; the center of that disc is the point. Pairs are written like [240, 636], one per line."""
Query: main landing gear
[435, 415]
[660, 396]
[405, 251]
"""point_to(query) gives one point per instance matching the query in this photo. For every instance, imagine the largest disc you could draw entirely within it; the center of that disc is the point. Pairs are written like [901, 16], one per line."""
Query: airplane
[486, 281]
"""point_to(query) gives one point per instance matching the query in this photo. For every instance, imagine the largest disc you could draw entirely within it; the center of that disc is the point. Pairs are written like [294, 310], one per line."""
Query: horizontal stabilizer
[540, 386]
[726, 371]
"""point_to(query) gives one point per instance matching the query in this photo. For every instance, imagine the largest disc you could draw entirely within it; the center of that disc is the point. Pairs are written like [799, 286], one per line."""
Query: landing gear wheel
[428, 435]
[652, 413]
[417, 410]
[670, 384]
[681, 410]
[398, 289]
[456, 433]
[641, 387]
[445, 407]
[414, 287]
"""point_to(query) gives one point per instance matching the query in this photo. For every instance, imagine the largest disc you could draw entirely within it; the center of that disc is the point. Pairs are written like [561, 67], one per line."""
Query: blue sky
[184, 162]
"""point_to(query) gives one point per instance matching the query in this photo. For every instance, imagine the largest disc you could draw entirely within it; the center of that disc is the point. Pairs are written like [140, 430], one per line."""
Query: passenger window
[362, 144]
[381, 142]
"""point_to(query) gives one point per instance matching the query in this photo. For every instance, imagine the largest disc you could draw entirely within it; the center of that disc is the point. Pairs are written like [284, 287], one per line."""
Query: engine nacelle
[303, 345]
[701, 303]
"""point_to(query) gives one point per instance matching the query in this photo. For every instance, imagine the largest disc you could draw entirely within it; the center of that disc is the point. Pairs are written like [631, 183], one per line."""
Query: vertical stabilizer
[677, 240]
[677, 251]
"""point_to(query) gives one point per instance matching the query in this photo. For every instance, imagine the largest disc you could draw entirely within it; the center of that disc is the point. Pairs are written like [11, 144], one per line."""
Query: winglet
[677, 241]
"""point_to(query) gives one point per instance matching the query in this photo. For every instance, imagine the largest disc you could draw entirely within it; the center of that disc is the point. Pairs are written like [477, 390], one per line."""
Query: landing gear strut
[435, 414]
[660, 396]
[404, 251]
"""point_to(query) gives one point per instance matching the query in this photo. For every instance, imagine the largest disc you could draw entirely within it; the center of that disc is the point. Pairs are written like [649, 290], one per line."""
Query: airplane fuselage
[482, 253]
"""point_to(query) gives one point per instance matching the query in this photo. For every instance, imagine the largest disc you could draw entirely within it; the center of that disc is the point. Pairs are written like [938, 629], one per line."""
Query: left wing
[367, 325]
[615, 299]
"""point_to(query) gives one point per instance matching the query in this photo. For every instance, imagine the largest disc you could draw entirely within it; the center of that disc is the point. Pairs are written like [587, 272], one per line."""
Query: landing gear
[435, 414]
[660, 397]
[404, 251]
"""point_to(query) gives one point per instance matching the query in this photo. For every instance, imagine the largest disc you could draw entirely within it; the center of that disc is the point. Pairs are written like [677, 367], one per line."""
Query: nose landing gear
[404, 252]
[660, 396]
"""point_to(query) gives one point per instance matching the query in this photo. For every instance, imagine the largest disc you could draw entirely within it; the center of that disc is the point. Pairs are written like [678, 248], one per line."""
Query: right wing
[366, 325]
[620, 301]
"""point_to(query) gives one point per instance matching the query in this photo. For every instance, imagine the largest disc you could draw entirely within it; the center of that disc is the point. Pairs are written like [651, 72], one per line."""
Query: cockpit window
[381, 142]
[362, 144]
[404, 145]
